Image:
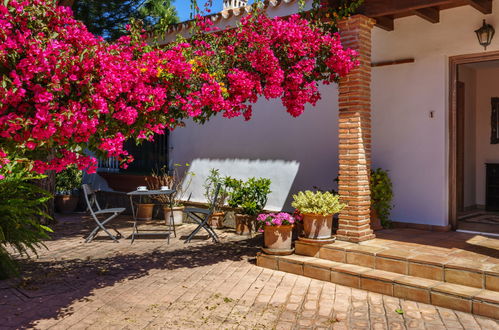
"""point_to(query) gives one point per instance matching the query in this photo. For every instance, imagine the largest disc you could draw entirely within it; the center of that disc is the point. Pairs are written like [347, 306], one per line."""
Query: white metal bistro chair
[91, 199]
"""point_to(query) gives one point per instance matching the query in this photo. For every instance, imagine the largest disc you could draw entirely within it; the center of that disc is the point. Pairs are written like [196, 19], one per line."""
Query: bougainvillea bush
[64, 91]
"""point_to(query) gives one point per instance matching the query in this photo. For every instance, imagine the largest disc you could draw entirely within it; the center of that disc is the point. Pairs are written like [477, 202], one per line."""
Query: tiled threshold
[458, 284]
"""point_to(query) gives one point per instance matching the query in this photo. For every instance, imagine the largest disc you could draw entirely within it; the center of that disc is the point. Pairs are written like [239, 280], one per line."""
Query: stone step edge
[453, 296]
[367, 256]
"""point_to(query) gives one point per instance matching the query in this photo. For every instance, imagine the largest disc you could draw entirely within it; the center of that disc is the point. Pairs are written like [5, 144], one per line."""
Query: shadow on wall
[282, 174]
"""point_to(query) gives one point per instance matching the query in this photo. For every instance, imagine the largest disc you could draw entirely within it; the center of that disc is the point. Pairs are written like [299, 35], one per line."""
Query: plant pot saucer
[278, 252]
[321, 241]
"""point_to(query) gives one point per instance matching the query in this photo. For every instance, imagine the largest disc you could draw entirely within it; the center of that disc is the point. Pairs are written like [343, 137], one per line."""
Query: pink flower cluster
[64, 91]
[275, 219]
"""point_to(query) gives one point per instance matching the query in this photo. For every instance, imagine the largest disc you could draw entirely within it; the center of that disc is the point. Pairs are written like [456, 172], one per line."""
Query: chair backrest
[215, 197]
[90, 198]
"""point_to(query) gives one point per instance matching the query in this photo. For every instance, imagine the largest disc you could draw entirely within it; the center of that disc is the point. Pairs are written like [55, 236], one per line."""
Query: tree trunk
[48, 184]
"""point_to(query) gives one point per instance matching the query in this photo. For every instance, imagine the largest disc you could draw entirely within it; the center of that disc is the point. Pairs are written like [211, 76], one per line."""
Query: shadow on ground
[47, 289]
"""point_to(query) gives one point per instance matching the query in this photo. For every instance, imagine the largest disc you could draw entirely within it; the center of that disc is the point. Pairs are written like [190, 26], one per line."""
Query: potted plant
[145, 208]
[277, 231]
[381, 199]
[177, 180]
[67, 183]
[317, 209]
[210, 185]
[249, 198]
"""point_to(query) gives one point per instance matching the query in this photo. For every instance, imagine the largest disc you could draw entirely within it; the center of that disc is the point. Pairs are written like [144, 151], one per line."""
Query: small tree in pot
[175, 179]
[210, 185]
[317, 209]
[67, 184]
[249, 197]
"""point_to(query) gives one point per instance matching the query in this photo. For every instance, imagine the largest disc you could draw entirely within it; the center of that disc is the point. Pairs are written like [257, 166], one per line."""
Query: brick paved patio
[153, 285]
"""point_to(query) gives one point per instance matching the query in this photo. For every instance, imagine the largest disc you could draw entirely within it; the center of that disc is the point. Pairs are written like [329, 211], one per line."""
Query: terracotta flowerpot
[375, 220]
[217, 220]
[144, 211]
[317, 226]
[278, 237]
[178, 215]
[244, 224]
[66, 203]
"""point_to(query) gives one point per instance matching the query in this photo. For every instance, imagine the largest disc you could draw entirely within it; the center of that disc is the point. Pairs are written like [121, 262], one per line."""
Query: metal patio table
[170, 226]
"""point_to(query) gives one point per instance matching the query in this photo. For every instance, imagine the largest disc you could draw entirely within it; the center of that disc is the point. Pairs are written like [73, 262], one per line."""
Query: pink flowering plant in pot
[277, 230]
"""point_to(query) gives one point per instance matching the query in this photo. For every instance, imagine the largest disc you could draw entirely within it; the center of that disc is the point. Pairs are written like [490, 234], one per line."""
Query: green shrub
[210, 186]
[323, 203]
[21, 206]
[382, 195]
[249, 196]
[68, 180]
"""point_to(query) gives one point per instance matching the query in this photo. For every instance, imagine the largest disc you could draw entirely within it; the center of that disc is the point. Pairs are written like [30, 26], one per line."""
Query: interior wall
[487, 87]
[467, 75]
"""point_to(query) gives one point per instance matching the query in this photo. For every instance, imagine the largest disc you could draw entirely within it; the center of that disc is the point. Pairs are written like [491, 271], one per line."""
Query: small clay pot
[217, 220]
[66, 203]
[278, 237]
[144, 211]
[375, 220]
[317, 226]
[178, 215]
[244, 224]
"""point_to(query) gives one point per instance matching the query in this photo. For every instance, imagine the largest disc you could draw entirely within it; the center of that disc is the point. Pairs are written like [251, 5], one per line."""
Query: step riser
[442, 273]
[425, 293]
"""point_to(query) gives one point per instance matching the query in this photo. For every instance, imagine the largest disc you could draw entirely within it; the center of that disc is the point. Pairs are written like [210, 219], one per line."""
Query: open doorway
[477, 146]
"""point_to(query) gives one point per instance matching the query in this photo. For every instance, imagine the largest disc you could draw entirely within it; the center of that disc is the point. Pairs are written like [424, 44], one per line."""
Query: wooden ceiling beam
[385, 22]
[431, 14]
[483, 6]
[378, 8]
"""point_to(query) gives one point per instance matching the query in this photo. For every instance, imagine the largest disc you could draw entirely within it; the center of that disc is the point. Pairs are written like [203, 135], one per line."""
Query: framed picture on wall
[494, 121]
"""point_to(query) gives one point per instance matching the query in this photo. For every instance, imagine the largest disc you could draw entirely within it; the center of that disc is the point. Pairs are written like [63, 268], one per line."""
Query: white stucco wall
[487, 87]
[406, 140]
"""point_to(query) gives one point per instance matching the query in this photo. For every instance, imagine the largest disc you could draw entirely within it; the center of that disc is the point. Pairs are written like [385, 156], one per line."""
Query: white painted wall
[405, 139]
[487, 87]
[467, 75]
[272, 144]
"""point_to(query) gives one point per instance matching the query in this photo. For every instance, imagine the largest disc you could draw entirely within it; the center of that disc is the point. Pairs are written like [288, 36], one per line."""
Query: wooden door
[460, 108]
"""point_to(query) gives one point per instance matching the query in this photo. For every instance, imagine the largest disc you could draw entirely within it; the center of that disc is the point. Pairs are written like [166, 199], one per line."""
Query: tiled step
[423, 264]
[463, 298]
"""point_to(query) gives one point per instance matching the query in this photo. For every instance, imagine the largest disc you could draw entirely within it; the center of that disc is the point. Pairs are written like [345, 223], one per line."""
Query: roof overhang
[386, 11]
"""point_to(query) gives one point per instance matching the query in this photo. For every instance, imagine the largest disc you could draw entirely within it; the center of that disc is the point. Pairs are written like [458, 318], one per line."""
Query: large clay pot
[66, 203]
[217, 220]
[178, 215]
[244, 224]
[375, 220]
[144, 211]
[317, 226]
[278, 237]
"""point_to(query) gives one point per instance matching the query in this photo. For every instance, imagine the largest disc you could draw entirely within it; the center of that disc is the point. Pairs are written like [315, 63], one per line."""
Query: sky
[184, 7]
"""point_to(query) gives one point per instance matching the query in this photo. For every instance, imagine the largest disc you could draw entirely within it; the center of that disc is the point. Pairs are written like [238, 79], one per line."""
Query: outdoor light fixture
[485, 34]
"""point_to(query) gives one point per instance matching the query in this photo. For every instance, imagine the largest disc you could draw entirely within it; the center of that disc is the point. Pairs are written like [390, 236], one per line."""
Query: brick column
[355, 133]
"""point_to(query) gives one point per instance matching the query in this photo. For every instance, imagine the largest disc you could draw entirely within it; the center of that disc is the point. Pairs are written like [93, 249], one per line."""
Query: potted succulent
[67, 184]
[177, 180]
[381, 199]
[249, 198]
[210, 184]
[277, 231]
[317, 209]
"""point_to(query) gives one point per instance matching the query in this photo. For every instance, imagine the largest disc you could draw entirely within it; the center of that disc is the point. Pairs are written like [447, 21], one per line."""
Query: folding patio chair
[91, 199]
[201, 216]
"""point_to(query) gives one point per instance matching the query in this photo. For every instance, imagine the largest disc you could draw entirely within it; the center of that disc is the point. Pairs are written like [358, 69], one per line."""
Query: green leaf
[399, 311]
